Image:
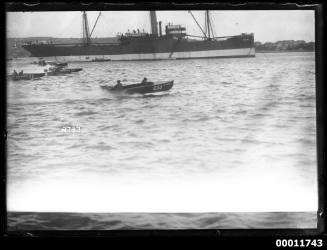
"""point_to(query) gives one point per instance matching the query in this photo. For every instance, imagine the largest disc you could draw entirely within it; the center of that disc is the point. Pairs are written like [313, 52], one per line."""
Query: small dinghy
[43, 62]
[25, 76]
[142, 88]
[58, 64]
[100, 60]
[60, 71]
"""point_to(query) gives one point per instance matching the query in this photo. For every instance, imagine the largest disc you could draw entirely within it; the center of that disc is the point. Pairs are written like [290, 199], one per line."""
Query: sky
[267, 26]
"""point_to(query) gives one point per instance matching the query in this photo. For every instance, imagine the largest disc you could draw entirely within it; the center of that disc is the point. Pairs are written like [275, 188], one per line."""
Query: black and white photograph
[161, 119]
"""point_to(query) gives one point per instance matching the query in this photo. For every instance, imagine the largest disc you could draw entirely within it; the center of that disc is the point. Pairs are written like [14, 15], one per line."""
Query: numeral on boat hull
[157, 87]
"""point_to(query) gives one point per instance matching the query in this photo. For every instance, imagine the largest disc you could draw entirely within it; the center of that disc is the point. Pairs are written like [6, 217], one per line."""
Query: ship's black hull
[149, 48]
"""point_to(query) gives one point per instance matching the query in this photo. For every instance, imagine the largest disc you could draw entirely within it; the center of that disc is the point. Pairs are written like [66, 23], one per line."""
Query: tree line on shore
[285, 45]
[15, 49]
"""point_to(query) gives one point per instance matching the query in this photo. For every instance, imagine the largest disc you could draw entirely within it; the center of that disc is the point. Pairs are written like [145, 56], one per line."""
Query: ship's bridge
[175, 30]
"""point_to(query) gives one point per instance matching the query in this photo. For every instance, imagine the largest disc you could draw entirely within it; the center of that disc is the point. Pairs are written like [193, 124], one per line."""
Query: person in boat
[57, 68]
[119, 85]
[144, 80]
[15, 73]
[42, 63]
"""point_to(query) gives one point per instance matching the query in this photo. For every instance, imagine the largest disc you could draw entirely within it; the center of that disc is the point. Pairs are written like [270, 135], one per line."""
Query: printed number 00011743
[299, 243]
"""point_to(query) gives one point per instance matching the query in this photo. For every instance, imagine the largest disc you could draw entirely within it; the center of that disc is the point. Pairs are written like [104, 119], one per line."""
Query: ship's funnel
[153, 17]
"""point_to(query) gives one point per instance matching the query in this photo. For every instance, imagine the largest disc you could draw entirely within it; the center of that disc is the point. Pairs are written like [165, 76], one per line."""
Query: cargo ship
[174, 43]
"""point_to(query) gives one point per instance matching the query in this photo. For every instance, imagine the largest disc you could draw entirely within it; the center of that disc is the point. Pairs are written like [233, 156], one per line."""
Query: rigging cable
[95, 24]
[198, 24]
[212, 27]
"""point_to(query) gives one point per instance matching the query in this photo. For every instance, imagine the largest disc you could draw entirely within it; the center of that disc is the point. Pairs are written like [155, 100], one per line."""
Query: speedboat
[56, 63]
[60, 71]
[141, 88]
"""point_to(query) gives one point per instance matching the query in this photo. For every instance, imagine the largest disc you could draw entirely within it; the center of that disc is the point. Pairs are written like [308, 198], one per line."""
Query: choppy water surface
[232, 135]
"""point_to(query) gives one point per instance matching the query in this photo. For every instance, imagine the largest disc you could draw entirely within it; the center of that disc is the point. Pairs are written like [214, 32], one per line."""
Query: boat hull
[159, 48]
[74, 70]
[142, 88]
[63, 71]
[25, 76]
[59, 73]
[58, 64]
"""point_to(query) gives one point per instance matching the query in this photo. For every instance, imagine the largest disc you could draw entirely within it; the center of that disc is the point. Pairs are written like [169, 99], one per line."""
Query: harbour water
[232, 143]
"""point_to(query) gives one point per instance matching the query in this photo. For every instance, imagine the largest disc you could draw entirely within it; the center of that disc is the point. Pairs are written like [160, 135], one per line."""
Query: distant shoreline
[283, 51]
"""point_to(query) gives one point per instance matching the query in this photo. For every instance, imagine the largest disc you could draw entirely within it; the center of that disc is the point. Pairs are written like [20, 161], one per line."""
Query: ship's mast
[153, 21]
[208, 26]
[86, 32]
[207, 22]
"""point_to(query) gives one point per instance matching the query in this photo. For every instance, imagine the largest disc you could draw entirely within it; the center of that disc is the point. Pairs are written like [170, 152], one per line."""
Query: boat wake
[159, 94]
[125, 95]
